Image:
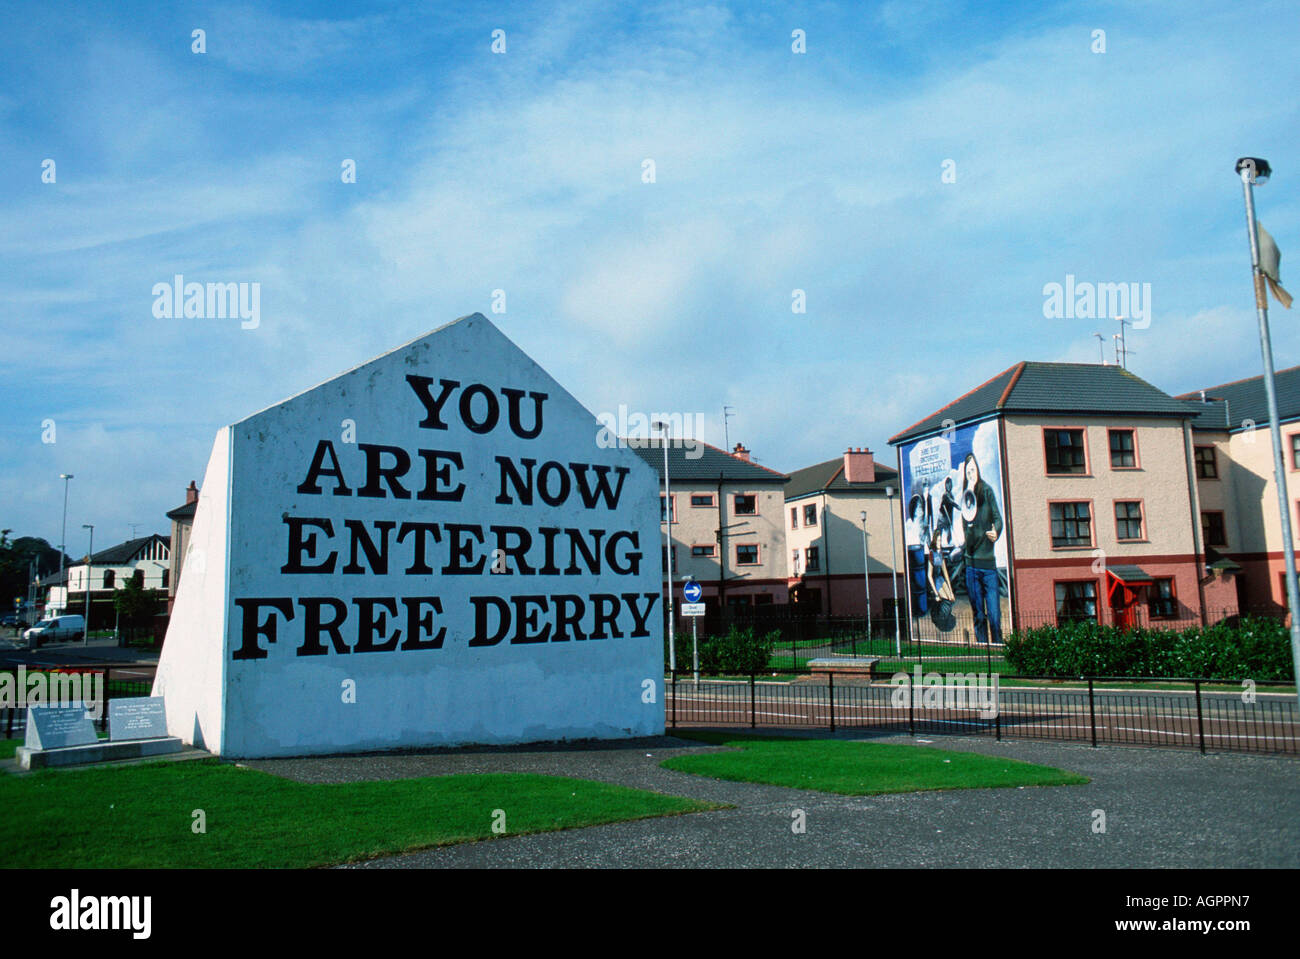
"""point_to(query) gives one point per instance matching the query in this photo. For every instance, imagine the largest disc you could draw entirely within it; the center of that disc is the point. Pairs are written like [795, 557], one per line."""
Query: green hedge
[738, 652]
[1247, 648]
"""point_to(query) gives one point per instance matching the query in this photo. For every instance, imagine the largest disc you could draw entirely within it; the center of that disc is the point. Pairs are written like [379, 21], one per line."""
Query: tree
[134, 603]
[15, 564]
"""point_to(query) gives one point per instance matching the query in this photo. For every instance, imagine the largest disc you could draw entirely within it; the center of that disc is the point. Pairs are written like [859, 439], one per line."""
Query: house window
[109, 577]
[1212, 529]
[810, 515]
[663, 557]
[137, 579]
[702, 550]
[1128, 520]
[672, 500]
[1206, 466]
[1065, 453]
[746, 504]
[747, 555]
[794, 517]
[1122, 452]
[813, 559]
[794, 562]
[1295, 451]
[1076, 601]
[701, 499]
[1071, 524]
[1161, 601]
[166, 578]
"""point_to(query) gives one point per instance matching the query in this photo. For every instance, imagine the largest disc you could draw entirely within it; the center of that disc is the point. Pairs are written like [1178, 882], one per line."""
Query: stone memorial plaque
[53, 727]
[140, 717]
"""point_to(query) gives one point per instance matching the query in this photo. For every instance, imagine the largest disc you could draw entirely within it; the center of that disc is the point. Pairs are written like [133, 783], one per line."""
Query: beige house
[1233, 465]
[182, 520]
[829, 544]
[726, 513]
[1099, 504]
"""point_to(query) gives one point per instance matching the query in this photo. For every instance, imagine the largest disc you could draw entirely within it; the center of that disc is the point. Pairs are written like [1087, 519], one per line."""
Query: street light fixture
[893, 562]
[1254, 170]
[90, 566]
[668, 550]
[866, 571]
[63, 536]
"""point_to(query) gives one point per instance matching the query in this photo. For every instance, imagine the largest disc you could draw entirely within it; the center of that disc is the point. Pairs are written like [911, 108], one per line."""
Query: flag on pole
[1269, 258]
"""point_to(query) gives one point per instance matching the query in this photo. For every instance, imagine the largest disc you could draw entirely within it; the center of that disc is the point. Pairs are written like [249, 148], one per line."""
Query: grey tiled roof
[1031, 387]
[710, 464]
[123, 553]
[184, 511]
[1246, 400]
[830, 476]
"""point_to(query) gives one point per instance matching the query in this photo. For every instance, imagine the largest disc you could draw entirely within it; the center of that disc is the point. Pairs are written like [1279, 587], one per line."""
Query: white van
[55, 629]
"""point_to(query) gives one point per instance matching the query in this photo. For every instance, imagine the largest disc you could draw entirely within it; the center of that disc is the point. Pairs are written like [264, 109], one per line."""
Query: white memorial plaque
[54, 727]
[139, 717]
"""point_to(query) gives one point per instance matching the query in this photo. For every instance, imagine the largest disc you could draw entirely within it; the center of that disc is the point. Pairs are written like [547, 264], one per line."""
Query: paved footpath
[1164, 808]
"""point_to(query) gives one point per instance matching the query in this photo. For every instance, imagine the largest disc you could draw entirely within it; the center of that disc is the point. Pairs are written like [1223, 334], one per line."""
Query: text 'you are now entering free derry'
[431, 548]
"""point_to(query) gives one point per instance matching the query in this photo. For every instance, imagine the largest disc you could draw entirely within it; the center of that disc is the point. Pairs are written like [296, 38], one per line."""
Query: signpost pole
[695, 648]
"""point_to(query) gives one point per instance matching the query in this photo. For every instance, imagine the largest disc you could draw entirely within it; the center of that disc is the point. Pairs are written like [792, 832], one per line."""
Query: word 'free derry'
[41, 688]
[955, 691]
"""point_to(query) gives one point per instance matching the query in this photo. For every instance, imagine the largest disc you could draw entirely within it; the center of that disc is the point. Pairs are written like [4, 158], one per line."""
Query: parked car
[57, 628]
[8, 620]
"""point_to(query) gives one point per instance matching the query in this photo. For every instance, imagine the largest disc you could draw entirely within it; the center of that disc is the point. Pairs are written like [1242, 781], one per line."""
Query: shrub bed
[1246, 648]
[739, 651]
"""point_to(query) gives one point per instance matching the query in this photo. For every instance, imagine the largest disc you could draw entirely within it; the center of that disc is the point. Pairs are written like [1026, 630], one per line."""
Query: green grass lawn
[7, 747]
[141, 816]
[858, 769]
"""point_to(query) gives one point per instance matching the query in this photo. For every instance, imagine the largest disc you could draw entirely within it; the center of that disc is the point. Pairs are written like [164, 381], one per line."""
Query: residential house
[1092, 510]
[830, 543]
[1233, 459]
[725, 514]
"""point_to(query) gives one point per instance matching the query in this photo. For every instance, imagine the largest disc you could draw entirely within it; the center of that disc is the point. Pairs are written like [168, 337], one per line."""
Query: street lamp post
[90, 566]
[668, 550]
[1253, 170]
[866, 571]
[63, 536]
[893, 562]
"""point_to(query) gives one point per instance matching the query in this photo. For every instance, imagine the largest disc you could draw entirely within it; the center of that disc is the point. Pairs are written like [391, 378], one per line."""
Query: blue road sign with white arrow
[692, 591]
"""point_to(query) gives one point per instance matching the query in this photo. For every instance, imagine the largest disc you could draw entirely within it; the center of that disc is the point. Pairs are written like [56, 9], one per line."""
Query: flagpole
[1249, 168]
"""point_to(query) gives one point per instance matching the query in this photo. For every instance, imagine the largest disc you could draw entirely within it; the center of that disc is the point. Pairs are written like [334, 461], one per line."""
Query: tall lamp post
[668, 550]
[1253, 170]
[90, 566]
[866, 571]
[63, 536]
[893, 562]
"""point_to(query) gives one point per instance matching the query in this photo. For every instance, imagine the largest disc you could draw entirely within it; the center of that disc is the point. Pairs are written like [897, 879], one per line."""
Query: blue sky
[522, 171]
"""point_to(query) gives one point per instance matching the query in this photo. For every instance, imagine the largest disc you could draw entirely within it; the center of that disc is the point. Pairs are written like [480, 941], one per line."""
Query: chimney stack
[191, 493]
[859, 465]
[741, 453]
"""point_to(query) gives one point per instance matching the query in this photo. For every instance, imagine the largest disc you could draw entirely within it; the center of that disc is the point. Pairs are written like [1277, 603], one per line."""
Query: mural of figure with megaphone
[953, 532]
[983, 521]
